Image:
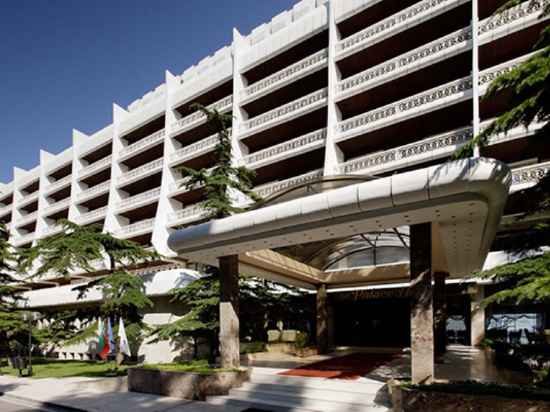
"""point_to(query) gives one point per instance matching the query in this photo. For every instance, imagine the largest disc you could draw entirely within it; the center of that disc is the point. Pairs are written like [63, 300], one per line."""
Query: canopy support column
[477, 315]
[322, 319]
[422, 320]
[229, 311]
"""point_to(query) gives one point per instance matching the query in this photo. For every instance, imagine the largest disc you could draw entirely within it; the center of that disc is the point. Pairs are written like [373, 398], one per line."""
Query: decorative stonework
[94, 167]
[513, 14]
[151, 139]
[102, 187]
[142, 225]
[92, 215]
[188, 214]
[269, 189]
[197, 147]
[134, 200]
[141, 171]
[530, 174]
[198, 116]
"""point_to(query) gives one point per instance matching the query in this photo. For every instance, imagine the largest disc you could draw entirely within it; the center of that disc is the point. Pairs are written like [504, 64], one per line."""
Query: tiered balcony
[392, 25]
[95, 167]
[435, 147]
[94, 191]
[28, 199]
[525, 177]
[139, 172]
[92, 215]
[24, 239]
[27, 219]
[198, 117]
[5, 209]
[138, 200]
[299, 145]
[57, 206]
[59, 184]
[187, 215]
[428, 54]
[136, 229]
[274, 187]
[194, 150]
[51, 230]
[286, 76]
[518, 132]
[488, 75]
[142, 145]
[285, 113]
[413, 106]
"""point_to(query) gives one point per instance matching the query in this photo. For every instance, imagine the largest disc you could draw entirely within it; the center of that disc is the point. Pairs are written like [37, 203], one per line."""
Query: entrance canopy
[463, 200]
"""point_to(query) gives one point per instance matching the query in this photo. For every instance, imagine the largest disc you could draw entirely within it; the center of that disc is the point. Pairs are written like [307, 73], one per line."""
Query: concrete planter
[412, 400]
[185, 385]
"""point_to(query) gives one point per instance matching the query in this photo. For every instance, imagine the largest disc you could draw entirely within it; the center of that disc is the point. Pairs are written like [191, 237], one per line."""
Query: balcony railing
[143, 226]
[286, 75]
[452, 92]
[135, 201]
[423, 150]
[290, 109]
[4, 210]
[194, 149]
[95, 190]
[529, 175]
[51, 230]
[444, 47]
[270, 188]
[488, 75]
[197, 117]
[517, 15]
[95, 167]
[26, 238]
[148, 141]
[60, 205]
[58, 184]
[33, 197]
[141, 171]
[187, 214]
[411, 16]
[92, 215]
[297, 145]
[27, 218]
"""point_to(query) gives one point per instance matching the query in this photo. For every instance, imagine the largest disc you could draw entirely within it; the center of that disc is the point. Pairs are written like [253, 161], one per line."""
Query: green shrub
[302, 340]
[253, 347]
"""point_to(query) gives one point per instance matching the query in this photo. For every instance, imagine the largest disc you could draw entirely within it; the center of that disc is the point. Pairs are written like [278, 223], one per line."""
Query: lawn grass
[53, 368]
[197, 366]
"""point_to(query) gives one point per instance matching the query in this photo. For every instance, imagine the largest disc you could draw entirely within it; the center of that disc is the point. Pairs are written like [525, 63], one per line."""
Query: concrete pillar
[440, 313]
[422, 324]
[477, 318]
[322, 319]
[229, 311]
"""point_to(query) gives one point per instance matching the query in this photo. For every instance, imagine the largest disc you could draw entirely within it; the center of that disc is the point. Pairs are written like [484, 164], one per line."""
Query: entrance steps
[267, 391]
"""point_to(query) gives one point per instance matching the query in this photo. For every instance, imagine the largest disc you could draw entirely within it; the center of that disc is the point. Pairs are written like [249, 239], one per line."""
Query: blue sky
[64, 62]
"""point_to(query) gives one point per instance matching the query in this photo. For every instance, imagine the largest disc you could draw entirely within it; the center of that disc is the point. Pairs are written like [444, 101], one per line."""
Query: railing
[490, 74]
[527, 8]
[286, 147]
[530, 175]
[92, 168]
[270, 188]
[198, 116]
[195, 148]
[93, 214]
[5, 209]
[134, 200]
[408, 61]
[28, 199]
[146, 141]
[21, 240]
[140, 226]
[420, 150]
[286, 110]
[58, 184]
[395, 23]
[141, 170]
[188, 214]
[27, 218]
[52, 230]
[291, 72]
[453, 89]
[62, 204]
[94, 190]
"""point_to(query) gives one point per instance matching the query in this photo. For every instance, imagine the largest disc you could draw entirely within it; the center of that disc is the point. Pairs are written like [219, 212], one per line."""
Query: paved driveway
[12, 407]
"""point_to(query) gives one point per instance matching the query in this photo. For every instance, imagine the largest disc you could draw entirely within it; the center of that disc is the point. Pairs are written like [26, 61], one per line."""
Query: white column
[475, 72]
[333, 155]
[41, 224]
[74, 210]
[477, 320]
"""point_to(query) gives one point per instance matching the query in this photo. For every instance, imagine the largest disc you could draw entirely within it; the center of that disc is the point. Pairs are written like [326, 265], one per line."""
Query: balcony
[28, 199]
[198, 117]
[140, 172]
[92, 216]
[95, 167]
[24, 239]
[59, 184]
[525, 177]
[434, 147]
[286, 112]
[57, 206]
[51, 230]
[4, 210]
[488, 75]
[441, 96]
[518, 132]
[93, 191]
[142, 145]
[187, 215]
[286, 76]
[135, 229]
[267, 190]
[392, 25]
[28, 218]
[141, 199]
[428, 54]
[302, 144]
[194, 150]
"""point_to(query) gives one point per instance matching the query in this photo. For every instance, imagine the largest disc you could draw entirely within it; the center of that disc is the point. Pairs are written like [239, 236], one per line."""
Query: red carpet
[349, 367]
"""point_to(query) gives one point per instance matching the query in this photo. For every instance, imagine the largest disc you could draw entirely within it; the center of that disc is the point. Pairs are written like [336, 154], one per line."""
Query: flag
[100, 337]
[112, 345]
[123, 340]
[105, 349]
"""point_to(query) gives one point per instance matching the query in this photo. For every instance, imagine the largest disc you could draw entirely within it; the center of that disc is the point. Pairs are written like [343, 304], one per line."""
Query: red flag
[106, 345]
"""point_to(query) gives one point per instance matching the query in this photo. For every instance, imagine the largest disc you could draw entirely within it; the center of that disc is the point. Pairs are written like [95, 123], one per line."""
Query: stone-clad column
[477, 326]
[422, 324]
[322, 319]
[229, 311]
[440, 313]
